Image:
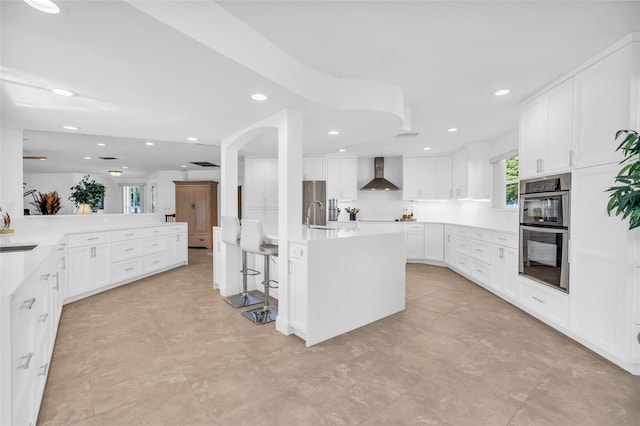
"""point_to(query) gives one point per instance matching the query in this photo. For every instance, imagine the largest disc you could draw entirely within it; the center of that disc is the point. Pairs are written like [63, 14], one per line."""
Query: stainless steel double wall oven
[544, 230]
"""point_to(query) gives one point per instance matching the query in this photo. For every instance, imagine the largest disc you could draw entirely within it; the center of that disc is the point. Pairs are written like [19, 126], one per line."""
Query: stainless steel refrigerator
[314, 198]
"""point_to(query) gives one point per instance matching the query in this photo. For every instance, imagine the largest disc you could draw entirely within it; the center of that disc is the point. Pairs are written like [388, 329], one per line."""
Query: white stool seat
[269, 250]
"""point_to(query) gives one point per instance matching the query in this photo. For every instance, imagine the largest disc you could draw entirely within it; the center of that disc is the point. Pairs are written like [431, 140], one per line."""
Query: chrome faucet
[314, 202]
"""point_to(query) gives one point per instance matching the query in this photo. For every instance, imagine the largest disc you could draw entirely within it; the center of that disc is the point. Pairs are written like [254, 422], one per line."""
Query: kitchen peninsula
[339, 280]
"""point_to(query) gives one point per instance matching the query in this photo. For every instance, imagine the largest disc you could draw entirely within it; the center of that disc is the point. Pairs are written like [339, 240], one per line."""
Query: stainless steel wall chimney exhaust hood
[379, 183]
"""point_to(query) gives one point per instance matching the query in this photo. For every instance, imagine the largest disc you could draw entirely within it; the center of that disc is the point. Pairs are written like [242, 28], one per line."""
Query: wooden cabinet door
[201, 209]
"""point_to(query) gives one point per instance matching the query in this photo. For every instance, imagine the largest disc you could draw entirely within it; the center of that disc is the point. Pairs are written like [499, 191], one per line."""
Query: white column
[11, 172]
[289, 202]
[230, 274]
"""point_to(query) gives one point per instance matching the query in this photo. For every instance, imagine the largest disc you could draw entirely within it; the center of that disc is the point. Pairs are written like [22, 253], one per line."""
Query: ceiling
[142, 77]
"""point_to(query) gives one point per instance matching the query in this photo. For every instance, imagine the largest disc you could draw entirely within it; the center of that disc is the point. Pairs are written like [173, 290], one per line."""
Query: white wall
[166, 202]
[11, 171]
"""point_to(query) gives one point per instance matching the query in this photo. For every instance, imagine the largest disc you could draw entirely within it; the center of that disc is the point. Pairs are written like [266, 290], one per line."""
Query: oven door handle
[534, 195]
[547, 230]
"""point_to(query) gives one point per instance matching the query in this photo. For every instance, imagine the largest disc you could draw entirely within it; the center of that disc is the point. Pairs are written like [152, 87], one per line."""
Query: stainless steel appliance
[544, 230]
[314, 196]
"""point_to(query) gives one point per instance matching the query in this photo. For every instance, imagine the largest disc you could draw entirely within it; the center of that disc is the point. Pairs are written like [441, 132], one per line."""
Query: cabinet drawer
[154, 262]
[463, 246]
[199, 240]
[547, 302]
[126, 250]
[160, 230]
[78, 240]
[505, 239]
[154, 245]
[25, 303]
[479, 234]
[481, 251]
[127, 234]
[414, 227]
[464, 264]
[121, 271]
[481, 272]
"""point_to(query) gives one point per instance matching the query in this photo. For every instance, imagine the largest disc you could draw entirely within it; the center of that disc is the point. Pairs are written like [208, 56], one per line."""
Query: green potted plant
[624, 199]
[87, 195]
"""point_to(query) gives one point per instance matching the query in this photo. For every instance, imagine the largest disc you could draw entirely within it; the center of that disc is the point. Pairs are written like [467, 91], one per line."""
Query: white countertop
[316, 234]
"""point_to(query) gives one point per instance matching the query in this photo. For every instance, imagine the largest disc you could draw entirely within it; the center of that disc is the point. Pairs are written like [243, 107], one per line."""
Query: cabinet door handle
[157, 261]
[27, 361]
[542, 164]
[43, 317]
[571, 158]
[44, 368]
[501, 253]
[129, 269]
[539, 300]
[129, 235]
[64, 263]
[45, 277]
[156, 245]
[28, 304]
[57, 287]
[93, 238]
[129, 249]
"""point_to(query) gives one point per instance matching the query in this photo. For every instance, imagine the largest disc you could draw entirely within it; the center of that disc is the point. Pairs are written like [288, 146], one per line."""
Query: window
[132, 202]
[505, 192]
[152, 197]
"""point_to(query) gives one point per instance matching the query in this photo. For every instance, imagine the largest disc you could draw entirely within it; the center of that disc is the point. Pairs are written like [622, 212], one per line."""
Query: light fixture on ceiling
[259, 97]
[333, 132]
[149, 143]
[46, 6]
[87, 158]
[184, 166]
[71, 128]
[63, 92]
[125, 167]
[501, 92]
[452, 129]
[427, 148]
[342, 150]
[101, 144]
[192, 139]
[115, 172]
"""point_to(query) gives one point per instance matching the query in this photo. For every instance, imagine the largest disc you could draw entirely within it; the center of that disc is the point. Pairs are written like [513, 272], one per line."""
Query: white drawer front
[25, 303]
[154, 245]
[481, 272]
[414, 227]
[154, 262]
[78, 240]
[481, 251]
[126, 250]
[121, 271]
[505, 239]
[463, 246]
[160, 230]
[127, 234]
[479, 234]
[464, 264]
[547, 302]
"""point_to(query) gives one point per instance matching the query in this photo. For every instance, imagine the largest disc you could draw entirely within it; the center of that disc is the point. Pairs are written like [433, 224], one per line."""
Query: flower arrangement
[48, 203]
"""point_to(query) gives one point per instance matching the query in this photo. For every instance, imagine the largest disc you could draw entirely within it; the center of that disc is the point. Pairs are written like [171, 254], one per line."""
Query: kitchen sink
[17, 247]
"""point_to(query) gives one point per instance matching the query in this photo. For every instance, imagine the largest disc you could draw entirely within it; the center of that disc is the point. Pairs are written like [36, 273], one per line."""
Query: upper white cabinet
[471, 172]
[260, 191]
[545, 132]
[314, 168]
[604, 105]
[426, 178]
[342, 178]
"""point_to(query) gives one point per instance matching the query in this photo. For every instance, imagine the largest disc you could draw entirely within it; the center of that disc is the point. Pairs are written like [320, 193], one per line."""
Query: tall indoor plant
[625, 198]
[87, 192]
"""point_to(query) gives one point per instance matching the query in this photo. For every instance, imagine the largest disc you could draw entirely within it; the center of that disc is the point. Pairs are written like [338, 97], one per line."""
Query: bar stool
[231, 235]
[251, 241]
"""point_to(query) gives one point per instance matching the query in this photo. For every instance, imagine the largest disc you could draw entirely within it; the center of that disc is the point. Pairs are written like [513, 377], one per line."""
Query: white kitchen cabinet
[471, 172]
[298, 288]
[314, 168]
[504, 271]
[605, 103]
[545, 132]
[426, 178]
[449, 247]
[260, 192]
[89, 264]
[434, 242]
[342, 178]
[415, 241]
[444, 178]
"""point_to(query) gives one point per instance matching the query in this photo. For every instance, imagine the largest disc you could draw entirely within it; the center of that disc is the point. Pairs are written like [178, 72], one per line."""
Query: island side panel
[353, 282]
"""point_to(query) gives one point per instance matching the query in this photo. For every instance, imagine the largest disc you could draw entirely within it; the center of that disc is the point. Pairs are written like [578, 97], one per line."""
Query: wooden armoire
[197, 204]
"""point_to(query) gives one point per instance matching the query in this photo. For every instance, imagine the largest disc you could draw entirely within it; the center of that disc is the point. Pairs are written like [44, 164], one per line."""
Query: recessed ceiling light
[101, 144]
[502, 92]
[333, 132]
[149, 143]
[342, 150]
[22, 104]
[192, 139]
[46, 6]
[259, 97]
[115, 172]
[63, 92]
[70, 127]
[452, 129]
[427, 148]
[183, 166]
[87, 158]
[125, 167]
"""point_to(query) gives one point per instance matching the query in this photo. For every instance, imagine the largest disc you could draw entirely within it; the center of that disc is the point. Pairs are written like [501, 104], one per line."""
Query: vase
[352, 216]
[84, 209]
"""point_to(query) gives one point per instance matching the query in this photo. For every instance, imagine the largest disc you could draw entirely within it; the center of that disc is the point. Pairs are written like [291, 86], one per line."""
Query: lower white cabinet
[415, 240]
[434, 242]
[89, 268]
[504, 271]
[546, 302]
[218, 257]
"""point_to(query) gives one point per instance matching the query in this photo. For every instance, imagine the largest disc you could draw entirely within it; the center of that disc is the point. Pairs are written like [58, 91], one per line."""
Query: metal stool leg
[245, 298]
[267, 313]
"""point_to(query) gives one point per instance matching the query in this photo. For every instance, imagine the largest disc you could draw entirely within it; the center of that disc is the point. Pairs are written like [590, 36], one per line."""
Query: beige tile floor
[168, 350]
